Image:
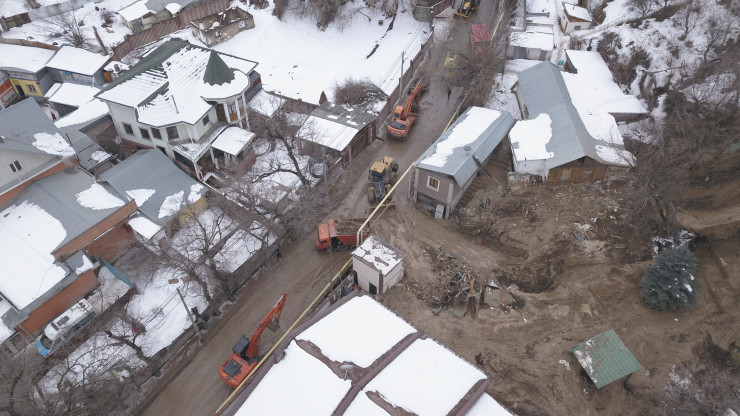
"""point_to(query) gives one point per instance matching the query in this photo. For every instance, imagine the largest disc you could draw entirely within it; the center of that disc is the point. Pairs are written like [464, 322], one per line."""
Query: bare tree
[644, 7]
[359, 93]
[689, 16]
[719, 30]
[69, 28]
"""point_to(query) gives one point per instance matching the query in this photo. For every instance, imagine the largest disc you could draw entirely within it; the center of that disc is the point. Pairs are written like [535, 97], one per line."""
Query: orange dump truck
[338, 234]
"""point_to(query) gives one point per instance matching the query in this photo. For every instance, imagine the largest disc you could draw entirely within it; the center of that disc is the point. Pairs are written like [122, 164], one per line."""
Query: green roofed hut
[605, 358]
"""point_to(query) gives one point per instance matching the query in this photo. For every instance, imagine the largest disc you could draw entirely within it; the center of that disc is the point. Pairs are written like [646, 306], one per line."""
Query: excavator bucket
[274, 324]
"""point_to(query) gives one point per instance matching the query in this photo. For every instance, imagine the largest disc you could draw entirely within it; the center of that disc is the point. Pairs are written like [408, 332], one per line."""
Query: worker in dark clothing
[278, 253]
[449, 92]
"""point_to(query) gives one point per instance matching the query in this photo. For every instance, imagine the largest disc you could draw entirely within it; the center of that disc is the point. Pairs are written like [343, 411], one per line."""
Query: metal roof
[18, 124]
[605, 358]
[544, 91]
[150, 169]
[461, 164]
[57, 195]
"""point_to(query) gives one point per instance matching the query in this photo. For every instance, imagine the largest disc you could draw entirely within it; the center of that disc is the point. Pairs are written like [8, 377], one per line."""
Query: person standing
[53, 116]
[278, 253]
[449, 92]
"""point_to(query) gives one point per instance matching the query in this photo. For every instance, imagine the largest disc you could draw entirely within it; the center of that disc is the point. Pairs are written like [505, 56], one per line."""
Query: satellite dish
[346, 368]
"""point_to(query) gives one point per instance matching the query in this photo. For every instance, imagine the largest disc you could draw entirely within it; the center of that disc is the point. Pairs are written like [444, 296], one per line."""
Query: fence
[32, 43]
[158, 30]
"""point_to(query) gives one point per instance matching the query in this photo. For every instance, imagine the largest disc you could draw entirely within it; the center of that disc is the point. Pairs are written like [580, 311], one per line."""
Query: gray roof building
[150, 177]
[460, 161]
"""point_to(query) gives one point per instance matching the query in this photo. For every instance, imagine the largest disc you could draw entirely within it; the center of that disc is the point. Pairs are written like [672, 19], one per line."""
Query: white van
[64, 327]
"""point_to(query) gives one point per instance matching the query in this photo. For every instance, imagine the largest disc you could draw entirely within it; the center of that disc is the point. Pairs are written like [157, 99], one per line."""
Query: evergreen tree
[670, 283]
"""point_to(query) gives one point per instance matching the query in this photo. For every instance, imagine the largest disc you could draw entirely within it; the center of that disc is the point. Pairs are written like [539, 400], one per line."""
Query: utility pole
[400, 80]
[190, 315]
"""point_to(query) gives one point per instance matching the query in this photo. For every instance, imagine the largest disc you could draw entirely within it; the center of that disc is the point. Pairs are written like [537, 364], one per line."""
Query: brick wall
[53, 307]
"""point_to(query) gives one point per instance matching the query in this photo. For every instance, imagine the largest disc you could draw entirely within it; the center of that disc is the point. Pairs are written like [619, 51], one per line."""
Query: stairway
[474, 187]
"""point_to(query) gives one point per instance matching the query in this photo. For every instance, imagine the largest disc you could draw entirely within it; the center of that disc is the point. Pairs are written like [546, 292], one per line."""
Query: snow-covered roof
[5, 330]
[134, 11]
[473, 136]
[334, 126]
[144, 226]
[378, 255]
[233, 140]
[535, 40]
[28, 270]
[85, 113]
[170, 84]
[529, 138]
[573, 136]
[71, 94]
[77, 60]
[24, 58]
[387, 366]
[265, 103]
[576, 11]
[44, 216]
[592, 87]
[159, 188]
[173, 7]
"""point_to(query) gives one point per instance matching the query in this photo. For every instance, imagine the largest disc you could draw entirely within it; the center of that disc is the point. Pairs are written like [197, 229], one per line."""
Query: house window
[433, 183]
[577, 27]
[15, 166]
[565, 175]
[586, 174]
[31, 88]
[206, 120]
[172, 132]
[156, 134]
[144, 133]
[129, 130]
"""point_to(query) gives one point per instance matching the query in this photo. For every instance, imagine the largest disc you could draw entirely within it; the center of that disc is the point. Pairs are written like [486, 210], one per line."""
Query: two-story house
[179, 98]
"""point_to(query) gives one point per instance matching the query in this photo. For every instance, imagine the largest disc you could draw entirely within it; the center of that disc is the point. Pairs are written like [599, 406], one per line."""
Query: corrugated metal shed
[151, 170]
[605, 358]
[461, 163]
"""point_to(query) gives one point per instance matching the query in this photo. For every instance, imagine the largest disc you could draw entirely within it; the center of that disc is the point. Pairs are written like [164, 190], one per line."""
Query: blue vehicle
[64, 327]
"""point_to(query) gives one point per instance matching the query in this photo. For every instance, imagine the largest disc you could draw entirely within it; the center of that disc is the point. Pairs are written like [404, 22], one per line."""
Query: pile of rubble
[458, 287]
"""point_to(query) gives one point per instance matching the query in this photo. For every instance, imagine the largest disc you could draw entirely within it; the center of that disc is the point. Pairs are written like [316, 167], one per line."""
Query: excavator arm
[273, 317]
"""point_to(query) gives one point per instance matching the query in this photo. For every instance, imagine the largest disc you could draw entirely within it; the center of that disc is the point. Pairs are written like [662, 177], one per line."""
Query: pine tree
[670, 283]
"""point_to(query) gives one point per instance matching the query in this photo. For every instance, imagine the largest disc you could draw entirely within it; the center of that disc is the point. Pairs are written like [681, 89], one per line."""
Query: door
[543, 55]
[20, 90]
[373, 289]
[439, 212]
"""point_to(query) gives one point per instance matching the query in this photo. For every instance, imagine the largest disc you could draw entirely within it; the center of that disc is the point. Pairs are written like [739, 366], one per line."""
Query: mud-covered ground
[568, 272]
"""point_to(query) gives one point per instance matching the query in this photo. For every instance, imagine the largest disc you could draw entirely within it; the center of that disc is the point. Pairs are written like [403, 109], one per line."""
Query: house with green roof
[179, 99]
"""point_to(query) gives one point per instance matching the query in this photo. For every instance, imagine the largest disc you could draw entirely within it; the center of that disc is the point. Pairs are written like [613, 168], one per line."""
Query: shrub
[670, 283]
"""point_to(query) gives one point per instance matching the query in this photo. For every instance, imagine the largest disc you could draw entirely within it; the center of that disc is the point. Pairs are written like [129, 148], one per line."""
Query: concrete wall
[534, 167]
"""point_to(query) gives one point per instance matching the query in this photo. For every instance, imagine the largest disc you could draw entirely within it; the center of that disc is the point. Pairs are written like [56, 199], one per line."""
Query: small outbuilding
[377, 265]
[78, 65]
[605, 358]
[575, 18]
[220, 27]
[342, 131]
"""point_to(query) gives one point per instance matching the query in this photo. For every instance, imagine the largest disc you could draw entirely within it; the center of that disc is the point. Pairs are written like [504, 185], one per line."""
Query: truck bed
[347, 226]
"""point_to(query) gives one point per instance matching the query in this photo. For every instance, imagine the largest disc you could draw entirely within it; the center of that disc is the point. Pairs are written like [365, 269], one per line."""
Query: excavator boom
[274, 314]
[403, 117]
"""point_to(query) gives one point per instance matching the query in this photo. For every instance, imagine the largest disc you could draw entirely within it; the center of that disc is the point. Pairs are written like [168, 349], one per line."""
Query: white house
[378, 266]
[179, 99]
[575, 18]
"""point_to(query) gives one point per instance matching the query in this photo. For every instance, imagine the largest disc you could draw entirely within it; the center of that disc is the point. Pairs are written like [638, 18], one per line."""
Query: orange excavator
[245, 352]
[403, 115]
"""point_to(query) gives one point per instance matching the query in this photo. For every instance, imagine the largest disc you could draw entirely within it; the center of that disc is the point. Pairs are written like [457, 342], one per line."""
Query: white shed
[378, 265]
